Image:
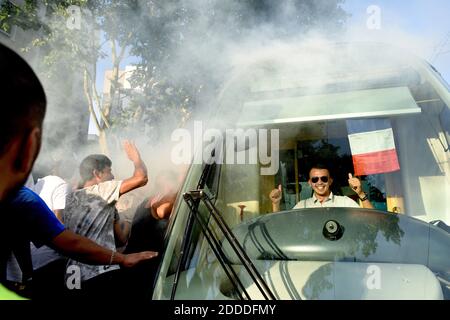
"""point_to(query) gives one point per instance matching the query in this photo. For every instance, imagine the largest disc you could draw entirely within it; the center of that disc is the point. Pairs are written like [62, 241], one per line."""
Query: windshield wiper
[215, 246]
[185, 243]
[240, 252]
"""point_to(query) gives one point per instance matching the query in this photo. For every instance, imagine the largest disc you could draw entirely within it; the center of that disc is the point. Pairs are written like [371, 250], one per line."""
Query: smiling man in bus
[320, 181]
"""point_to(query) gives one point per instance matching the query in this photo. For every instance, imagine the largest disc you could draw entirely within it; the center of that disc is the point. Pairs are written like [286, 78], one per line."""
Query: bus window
[327, 143]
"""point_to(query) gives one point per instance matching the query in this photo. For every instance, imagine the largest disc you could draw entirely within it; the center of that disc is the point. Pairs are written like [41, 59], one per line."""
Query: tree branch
[89, 98]
[97, 99]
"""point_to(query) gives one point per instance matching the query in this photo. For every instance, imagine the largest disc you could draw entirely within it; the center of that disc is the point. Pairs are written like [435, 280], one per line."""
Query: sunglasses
[316, 179]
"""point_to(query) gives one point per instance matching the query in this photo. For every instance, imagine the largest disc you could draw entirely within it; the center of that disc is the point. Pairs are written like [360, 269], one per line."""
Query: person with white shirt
[320, 181]
[53, 190]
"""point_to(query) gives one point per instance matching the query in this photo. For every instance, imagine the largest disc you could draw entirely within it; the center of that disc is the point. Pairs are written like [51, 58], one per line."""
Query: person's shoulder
[76, 196]
[348, 201]
[91, 189]
[108, 190]
[347, 198]
[108, 184]
[48, 184]
[27, 201]
[25, 195]
[106, 187]
[300, 204]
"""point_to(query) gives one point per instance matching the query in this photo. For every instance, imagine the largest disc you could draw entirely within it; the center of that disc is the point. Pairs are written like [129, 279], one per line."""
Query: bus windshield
[386, 124]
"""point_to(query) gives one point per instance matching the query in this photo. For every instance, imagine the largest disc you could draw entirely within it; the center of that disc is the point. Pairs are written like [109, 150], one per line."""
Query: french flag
[372, 146]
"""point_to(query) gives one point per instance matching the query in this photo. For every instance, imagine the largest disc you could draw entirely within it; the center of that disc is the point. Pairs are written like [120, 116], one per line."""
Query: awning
[344, 105]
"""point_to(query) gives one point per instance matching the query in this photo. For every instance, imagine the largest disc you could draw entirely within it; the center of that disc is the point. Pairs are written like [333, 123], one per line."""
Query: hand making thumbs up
[275, 195]
[355, 184]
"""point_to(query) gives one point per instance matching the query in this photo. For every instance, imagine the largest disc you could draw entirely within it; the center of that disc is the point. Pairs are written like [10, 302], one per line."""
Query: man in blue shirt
[29, 211]
[23, 109]
[27, 219]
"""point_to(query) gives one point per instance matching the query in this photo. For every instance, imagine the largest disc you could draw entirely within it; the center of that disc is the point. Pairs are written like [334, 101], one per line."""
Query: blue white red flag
[372, 146]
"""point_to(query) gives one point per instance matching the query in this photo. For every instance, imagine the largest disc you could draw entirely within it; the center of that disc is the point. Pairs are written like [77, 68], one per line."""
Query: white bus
[224, 241]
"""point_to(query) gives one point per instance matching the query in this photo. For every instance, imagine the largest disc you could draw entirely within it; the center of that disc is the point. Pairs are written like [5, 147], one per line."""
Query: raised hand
[139, 178]
[275, 195]
[355, 184]
[131, 151]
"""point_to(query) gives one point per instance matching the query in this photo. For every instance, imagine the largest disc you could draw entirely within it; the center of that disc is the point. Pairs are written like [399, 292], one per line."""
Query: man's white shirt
[331, 201]
[53, 190]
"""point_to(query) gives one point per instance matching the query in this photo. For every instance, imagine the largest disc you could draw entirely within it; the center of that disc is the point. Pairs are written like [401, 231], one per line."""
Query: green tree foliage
[72, 36]
[178, 44]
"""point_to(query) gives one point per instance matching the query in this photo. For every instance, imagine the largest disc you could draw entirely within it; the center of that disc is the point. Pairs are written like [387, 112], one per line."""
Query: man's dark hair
[322, 166]
[22, 97]
[93, 162]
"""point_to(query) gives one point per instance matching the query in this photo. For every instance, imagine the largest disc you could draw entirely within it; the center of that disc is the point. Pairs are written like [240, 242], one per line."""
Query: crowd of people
[61, 241]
